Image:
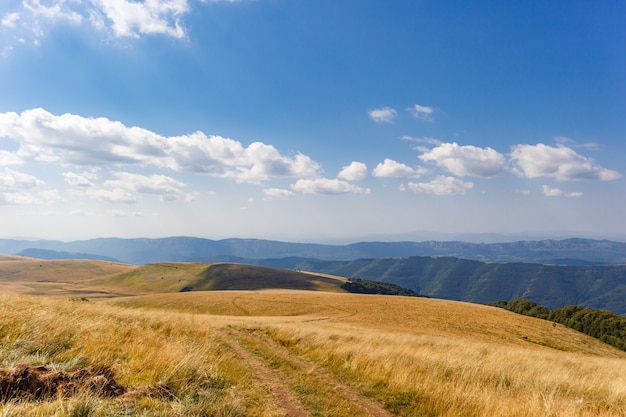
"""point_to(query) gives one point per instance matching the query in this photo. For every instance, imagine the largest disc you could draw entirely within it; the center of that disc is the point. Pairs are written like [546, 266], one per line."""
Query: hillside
[57, 277]
[601, 286]
[86, 278]
[189, 249]
[299, 353]
[186, 277]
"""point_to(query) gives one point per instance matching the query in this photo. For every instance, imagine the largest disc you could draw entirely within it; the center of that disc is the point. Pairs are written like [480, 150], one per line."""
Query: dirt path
[283, 394]
[241, 337]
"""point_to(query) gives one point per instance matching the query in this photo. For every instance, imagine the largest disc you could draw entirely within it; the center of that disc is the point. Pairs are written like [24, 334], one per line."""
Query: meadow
[295, 352]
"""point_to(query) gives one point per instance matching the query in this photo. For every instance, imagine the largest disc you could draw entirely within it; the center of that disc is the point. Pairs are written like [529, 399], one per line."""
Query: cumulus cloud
[356, 171]
[555, 192]
[168, 188]
[10, 158]
[467, 160]
[441, 185]
[82, 179]
[23, 189]
[132, 19]
[560, 162]
[382, 115]
[11, 180]
[392, 169]
[120, 18]
[81, 141]
[422, 112]
[116, 195]
[327, 186]
[278, 192]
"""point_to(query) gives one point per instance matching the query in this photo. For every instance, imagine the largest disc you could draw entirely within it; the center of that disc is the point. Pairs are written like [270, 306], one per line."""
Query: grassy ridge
[108, 279]
[179, 276]
[434, 357]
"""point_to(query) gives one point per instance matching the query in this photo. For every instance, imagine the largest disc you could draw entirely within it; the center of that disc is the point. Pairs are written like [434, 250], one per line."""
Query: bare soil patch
[23, 382]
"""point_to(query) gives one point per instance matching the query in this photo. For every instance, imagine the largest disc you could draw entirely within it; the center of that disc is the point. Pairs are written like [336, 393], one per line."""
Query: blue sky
[315, 121]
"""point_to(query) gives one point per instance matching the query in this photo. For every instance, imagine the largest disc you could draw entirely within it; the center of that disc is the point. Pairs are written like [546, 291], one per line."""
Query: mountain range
[552, 273]
[573, 251]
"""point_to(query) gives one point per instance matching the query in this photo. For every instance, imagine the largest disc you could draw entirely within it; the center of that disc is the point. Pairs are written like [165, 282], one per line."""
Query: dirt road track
[242, 342]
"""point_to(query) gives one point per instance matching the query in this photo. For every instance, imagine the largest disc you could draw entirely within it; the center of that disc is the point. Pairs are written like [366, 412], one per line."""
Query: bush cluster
[366, 286]
[601, 324]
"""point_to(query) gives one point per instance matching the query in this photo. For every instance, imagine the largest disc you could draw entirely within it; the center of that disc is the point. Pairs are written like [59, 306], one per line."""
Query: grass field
[279, 352]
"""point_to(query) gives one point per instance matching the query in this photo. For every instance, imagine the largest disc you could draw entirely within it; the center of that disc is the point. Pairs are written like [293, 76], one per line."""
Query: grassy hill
[107, 279]
[269, 342]
[294, 352]
[59, 277]
[184, 277]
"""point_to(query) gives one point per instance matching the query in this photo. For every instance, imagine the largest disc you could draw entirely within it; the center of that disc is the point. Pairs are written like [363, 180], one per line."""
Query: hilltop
[87, 278]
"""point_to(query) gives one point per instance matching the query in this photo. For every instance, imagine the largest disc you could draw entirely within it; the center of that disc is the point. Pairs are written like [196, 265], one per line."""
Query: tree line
[601, 324]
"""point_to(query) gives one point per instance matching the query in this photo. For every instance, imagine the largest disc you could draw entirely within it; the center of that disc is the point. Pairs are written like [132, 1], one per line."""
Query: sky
[313, 120]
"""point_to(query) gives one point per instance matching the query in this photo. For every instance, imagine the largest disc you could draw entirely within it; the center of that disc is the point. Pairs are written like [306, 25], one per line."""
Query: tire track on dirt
[270, 379]
[370, 407]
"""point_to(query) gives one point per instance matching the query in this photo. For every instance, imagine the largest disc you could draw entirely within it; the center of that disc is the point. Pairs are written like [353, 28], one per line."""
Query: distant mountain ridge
[574, 251]
[598, 286]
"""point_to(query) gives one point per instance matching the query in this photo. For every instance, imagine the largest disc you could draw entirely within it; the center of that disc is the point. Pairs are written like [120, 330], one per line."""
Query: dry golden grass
[329, 354]
[20, 275]
[429, 357]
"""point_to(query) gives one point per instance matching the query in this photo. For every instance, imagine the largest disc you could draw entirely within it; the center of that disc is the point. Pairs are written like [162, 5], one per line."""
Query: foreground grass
[412, 357]
[142, 349]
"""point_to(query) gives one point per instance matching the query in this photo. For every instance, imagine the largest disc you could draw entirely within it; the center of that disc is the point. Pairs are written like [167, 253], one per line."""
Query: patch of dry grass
[414, 356]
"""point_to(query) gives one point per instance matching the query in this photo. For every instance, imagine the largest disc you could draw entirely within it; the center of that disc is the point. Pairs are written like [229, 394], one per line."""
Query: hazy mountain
[142, 251]
[52, 254]
[553, 286]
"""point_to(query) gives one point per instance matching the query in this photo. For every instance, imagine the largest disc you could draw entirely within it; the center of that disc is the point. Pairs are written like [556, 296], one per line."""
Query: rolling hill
[88, 278]
[266, 341]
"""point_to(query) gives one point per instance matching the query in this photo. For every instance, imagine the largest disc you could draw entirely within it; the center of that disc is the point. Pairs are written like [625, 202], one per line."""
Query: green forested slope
[602, 287]
[601, 324]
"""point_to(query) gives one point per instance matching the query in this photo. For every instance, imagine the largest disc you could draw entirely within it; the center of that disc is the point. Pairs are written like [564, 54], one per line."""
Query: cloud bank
[105, 160]
[74, 140]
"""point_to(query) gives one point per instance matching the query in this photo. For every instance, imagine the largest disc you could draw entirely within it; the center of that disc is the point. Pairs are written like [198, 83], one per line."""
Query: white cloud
[356, 171]
[81, 141]
[10, 158]
[278, 192]
[555, 192]
[560, 162]
[441, 185]
[132, 19]
[10, 20]
[393, 169]
[467, 160]
[425, 139]
[24, 189]
[168, 188]
[119, 18]
[116, 195]
[59, 10]
[83, 179]
[12, 180]
[382, 115]
[327, 186]
[422, 112]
